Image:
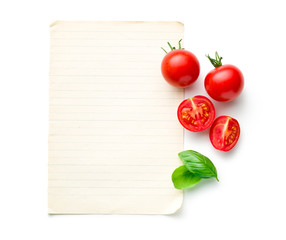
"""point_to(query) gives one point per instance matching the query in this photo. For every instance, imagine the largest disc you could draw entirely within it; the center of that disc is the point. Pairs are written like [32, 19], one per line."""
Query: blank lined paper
[114, 135]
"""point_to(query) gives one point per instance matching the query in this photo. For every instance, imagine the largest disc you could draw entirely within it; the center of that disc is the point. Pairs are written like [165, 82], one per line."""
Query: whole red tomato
[225, 82]
[179, 67]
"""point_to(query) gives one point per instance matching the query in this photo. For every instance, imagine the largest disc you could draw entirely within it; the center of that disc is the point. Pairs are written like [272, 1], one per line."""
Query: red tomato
[196, 114]
[225, 82]
[180, 68]
[224, 133]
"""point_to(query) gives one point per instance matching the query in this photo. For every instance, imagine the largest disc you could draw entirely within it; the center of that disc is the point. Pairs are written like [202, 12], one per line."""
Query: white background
[247, 203]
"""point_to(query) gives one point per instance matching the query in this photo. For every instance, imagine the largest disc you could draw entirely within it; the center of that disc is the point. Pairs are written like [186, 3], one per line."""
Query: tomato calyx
[215, 62]
[173, 48]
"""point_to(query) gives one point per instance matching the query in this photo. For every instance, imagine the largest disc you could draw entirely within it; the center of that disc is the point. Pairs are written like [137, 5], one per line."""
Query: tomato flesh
[180, 68]
[196, 114]
[224, 133]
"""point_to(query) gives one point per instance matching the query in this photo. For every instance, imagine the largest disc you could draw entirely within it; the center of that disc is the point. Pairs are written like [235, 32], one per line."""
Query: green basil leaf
[183, 178]
[198, 164]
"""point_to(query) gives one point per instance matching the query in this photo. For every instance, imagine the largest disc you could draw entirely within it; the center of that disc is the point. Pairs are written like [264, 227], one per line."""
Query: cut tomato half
[196, 114]
[224, 133]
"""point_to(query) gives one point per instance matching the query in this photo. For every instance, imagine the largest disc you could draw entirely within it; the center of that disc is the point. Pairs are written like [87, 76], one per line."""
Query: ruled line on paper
[95, 75]
[114, 31]
[114, 196]
[114, 135]
[111, 180]
[111, 91]
[115, 59]
[87, 105]
[113, 187]
[115, 142]
[92, 158]
[108, 172]
[112, 39]
[108, 120]
[104, 54]
[113, 165]
[110, 97]
[103, 46]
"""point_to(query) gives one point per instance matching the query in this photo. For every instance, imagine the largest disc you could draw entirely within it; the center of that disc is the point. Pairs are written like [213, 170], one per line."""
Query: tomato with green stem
[179, 67]
[196, 114]
[225, 82]
[224, 133]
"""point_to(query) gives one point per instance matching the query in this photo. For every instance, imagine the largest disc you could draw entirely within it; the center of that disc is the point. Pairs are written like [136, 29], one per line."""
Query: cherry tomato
[196, 114]
[180, 68]
[225, 82]
[224, 133]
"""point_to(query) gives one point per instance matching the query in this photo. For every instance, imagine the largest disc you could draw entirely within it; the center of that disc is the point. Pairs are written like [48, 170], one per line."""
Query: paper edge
[55, 22]
[171, 211]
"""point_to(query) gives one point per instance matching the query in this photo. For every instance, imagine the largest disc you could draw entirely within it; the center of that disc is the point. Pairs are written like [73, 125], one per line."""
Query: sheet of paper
[114, 135]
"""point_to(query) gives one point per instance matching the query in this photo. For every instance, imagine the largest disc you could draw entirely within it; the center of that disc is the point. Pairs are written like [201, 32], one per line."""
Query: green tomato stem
[180, 47]
[215, 62]
[173, 48]
[164, 50]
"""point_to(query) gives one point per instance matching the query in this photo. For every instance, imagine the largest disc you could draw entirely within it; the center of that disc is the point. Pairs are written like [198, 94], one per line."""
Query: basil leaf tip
[198, 164]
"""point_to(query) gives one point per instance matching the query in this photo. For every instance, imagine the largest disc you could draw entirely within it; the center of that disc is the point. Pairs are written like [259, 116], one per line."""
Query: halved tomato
[196, 114]
[224, 133]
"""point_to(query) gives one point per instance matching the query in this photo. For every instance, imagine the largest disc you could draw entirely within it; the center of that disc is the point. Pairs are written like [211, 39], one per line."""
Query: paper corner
[54, 24]
[176, 207]
[180, 23]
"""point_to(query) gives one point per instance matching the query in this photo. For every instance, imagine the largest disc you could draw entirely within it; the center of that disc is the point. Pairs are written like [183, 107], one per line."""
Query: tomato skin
[224, 83]
[180, 68]
[196, 114]
[224, 133]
